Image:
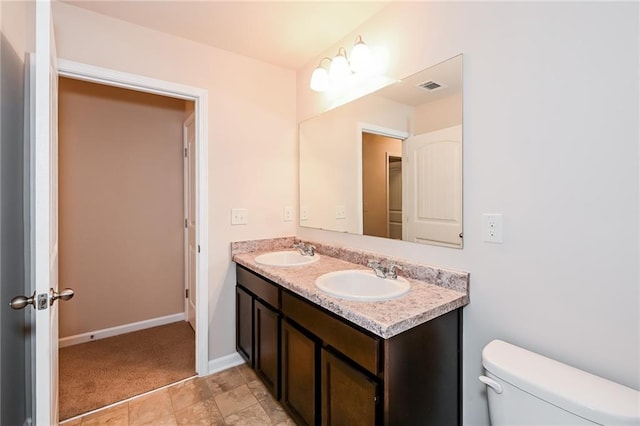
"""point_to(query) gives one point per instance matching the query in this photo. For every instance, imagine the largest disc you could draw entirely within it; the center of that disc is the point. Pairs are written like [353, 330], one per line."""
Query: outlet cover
[304, 213]
[492, 227]
[287, 214]
[341, 212]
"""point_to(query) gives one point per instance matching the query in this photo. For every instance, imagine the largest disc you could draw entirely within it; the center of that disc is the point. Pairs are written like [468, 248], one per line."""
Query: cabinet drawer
[258, 286]
[361, 348]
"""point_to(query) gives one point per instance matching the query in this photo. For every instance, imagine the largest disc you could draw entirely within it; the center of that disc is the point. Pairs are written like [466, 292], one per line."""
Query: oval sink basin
[285, 258]
[361, 285]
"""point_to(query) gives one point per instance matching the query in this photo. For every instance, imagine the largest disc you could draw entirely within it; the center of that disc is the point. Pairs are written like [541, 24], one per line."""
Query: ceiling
[285, 33]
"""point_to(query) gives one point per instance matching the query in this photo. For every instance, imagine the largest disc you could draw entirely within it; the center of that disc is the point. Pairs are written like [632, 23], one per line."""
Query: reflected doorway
[381, 185]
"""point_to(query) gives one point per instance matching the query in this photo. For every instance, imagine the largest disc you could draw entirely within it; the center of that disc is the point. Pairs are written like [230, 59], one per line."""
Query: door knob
[19, 302]
[65, 294]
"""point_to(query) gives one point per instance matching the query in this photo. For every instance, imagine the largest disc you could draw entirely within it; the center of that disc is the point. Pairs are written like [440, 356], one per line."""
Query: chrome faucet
[305, 249]
[382, 271]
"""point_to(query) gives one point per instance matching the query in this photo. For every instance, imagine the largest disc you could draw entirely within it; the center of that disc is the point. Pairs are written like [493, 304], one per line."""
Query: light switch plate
[239, 216]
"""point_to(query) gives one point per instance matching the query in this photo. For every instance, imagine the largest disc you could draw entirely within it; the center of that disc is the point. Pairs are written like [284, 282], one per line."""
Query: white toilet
[525, 388]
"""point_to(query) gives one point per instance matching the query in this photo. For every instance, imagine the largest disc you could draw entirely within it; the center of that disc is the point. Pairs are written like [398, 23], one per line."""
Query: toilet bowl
[525, 388]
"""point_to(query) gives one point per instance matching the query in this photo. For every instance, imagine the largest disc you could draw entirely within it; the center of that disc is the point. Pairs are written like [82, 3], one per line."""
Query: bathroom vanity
[335, 361]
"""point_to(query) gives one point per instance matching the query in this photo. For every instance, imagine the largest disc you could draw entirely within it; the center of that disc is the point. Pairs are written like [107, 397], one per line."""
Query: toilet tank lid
[569, 388]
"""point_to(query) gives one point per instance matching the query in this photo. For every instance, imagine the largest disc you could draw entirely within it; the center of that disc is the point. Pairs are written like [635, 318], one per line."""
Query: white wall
[551, 141]
[252, 140]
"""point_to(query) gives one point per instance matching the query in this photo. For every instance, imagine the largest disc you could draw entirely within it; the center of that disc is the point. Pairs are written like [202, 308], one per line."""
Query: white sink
[285, 258]
[358, 284]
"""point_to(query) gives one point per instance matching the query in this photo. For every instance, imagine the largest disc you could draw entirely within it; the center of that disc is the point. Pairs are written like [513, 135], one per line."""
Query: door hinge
[186, 293]
[198, 248]
[185, 153]
[185, 223]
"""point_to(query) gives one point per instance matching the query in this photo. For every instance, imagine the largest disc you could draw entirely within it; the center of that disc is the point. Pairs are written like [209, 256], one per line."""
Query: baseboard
[121, 329]
[225, 362]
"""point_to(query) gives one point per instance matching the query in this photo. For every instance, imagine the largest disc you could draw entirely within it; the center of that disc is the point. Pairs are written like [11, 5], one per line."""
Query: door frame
[199, 96]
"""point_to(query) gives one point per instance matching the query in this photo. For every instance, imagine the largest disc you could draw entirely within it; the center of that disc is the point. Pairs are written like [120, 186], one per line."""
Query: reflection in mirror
[390, 163]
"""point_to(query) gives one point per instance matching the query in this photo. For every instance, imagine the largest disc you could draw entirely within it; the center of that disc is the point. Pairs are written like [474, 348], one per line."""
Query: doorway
[381, 185]
[121, 217]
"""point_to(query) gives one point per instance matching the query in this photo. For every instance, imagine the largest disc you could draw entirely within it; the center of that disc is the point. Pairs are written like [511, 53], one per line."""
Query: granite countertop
[434, 291]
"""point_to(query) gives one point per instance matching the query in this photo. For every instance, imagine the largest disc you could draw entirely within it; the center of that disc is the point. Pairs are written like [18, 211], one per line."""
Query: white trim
[379, 130]
[121, 329]
[79, 71]
[225, 362]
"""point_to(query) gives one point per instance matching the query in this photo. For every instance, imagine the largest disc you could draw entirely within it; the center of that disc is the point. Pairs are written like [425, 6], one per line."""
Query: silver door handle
[20, 302]
[65, 294]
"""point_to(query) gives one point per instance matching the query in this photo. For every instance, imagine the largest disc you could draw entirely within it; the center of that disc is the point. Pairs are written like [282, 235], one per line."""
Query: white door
[44, 218]
[433, 191]
[189, 137]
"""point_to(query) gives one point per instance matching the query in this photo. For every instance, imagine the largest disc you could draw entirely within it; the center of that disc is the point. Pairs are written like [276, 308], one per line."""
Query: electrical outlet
[492, 227]
[287, 214]
[341, 212]
[239, 216]
[304, 213]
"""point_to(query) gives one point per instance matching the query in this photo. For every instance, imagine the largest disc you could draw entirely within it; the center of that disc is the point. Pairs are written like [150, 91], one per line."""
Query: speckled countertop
[434, 291]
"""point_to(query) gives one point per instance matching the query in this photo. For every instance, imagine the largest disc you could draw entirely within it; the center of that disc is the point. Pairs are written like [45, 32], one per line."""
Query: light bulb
[319, 80]
[360, 57]
[339, 71]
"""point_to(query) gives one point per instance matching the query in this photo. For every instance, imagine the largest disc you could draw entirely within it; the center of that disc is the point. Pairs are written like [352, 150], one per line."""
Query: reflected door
[433, 190]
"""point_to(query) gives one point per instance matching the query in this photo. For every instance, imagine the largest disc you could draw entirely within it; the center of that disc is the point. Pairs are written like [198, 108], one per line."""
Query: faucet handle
[392, 271]
[377, 267]
[311, 250]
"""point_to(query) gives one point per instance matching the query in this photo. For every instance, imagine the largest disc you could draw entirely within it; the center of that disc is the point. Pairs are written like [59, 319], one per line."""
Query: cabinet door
[349, 397]
[299, 383]
[244, 324]
[266, 328]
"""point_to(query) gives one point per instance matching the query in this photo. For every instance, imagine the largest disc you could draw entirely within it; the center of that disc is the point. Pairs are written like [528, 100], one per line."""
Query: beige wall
[439, 114]
[252, 134]
[550, 148]
[121, 206]
[329, 151]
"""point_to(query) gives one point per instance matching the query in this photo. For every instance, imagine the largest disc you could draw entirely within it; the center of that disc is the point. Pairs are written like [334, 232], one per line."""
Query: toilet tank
[525, 388]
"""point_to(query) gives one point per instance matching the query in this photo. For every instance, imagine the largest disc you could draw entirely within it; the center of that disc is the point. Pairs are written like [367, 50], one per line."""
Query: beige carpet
[99, 373]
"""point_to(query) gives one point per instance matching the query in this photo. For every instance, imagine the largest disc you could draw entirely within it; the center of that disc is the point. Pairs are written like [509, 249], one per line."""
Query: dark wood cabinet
[327, 370]
[266, 331]
[349, 397]
[244, 324]
[258, 326]
[299, 374]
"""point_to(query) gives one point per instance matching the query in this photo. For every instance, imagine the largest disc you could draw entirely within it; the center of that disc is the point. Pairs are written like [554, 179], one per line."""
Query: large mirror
[390, 163]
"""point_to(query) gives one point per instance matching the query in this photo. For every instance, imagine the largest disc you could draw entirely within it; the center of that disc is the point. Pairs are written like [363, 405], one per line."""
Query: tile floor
[231, 397]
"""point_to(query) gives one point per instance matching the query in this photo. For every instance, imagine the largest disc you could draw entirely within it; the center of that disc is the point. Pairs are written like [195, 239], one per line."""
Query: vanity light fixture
[340, 68]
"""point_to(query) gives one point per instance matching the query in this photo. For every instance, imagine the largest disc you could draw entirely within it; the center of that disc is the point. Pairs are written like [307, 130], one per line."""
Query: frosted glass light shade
[360, 58]
[339, 71]
[319, 80]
